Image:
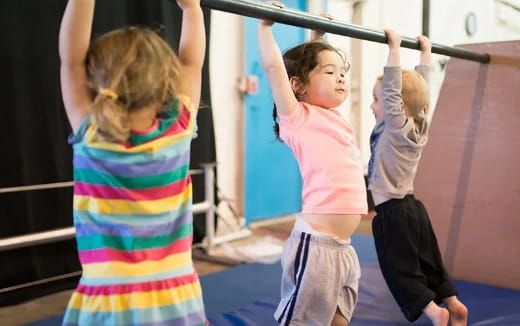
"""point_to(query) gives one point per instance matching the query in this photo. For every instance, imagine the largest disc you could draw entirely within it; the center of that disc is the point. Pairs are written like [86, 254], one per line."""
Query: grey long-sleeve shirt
[399, 148]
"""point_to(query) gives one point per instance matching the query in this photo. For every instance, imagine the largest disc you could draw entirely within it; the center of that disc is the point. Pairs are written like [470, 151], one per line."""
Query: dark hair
[299, 62]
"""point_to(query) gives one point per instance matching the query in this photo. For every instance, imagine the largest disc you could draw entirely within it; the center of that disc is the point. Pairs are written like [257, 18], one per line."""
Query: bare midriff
[341, 225]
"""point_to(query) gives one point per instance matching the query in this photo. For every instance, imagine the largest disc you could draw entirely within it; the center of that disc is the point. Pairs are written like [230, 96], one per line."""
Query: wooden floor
[55, 304]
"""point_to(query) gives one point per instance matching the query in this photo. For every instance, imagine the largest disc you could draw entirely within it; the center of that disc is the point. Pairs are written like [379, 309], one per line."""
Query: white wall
[226, 68]
[495, 22]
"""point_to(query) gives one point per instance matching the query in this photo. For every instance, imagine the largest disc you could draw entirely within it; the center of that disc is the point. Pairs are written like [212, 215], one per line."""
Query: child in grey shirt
[406, 245]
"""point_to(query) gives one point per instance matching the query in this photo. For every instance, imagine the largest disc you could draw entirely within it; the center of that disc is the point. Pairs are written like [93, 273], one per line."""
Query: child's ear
[403, 107]
[405, 110]
[296, 84]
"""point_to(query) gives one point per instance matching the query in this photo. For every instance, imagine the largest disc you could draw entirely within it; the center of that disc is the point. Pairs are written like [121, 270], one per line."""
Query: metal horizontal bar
[33, 239]
[65, 184]
[41, 281]
[257, 9]
[37, 187]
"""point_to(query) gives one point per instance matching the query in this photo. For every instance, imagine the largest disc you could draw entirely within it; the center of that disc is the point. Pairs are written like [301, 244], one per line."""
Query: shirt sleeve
[424, 71]
[76, 137]
[185, 104]
[394, 115]
[421, 119]
[291, 122]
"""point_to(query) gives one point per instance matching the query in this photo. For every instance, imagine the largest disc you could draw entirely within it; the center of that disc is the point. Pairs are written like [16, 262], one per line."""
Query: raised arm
[426, 50]
[426, 53]
[74, 40]
[394, 48]
[272, 61]
[192, 47]
[394, 114]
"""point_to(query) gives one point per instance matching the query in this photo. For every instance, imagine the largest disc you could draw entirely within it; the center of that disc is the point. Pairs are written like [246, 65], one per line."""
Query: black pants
[409, 255]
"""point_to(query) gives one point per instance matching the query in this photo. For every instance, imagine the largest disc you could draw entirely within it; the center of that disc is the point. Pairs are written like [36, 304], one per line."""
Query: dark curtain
[33, 146]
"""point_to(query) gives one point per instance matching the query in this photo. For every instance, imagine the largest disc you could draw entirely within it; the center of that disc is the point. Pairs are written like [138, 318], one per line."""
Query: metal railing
[257, 9]
[208, 244]
[38, 238]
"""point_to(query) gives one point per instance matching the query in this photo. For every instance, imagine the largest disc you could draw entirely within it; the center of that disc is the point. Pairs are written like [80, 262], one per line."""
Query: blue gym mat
[248, 294]
[488, 305]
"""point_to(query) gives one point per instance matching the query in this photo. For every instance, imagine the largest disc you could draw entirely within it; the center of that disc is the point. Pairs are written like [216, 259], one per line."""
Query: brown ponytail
[110, 118]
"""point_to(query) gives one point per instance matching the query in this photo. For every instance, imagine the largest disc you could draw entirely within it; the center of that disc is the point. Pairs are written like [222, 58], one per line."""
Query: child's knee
[339, 319]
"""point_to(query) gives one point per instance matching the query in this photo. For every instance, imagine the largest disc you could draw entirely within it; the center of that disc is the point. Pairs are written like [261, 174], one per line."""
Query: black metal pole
[426, 18]
[257, 9]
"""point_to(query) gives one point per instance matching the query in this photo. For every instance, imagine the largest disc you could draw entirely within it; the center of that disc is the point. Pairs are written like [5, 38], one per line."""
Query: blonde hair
[127, 70]
[414, 93]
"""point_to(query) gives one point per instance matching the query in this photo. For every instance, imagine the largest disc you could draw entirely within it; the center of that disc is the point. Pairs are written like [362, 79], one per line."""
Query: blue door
[272, 178]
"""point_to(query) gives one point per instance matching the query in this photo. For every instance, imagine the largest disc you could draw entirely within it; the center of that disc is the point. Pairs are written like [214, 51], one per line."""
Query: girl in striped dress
[132, 105]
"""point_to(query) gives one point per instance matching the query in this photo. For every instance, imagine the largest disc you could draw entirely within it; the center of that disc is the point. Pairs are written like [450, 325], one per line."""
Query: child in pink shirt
[320, 268]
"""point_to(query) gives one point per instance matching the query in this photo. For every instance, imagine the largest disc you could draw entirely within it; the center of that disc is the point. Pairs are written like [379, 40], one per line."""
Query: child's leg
[314, 269]
[458, 311]
[430, 258]
[397, 237]
[433, 268]
[339, 319]
[439, 316]
[349, 289]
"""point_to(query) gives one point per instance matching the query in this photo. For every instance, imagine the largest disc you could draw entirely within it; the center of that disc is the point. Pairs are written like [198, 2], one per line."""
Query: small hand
[275, 3]
[272, 3]
[328, 16]
[394, 39]
[424, 43]
[316, 34]
[426, 49]
[185, 4]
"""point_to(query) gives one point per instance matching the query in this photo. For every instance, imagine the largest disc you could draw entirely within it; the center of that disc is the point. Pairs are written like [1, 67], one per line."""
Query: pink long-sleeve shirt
[329, 159]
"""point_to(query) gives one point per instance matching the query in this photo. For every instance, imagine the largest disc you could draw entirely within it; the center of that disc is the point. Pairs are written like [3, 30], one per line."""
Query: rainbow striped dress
[133, 221]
